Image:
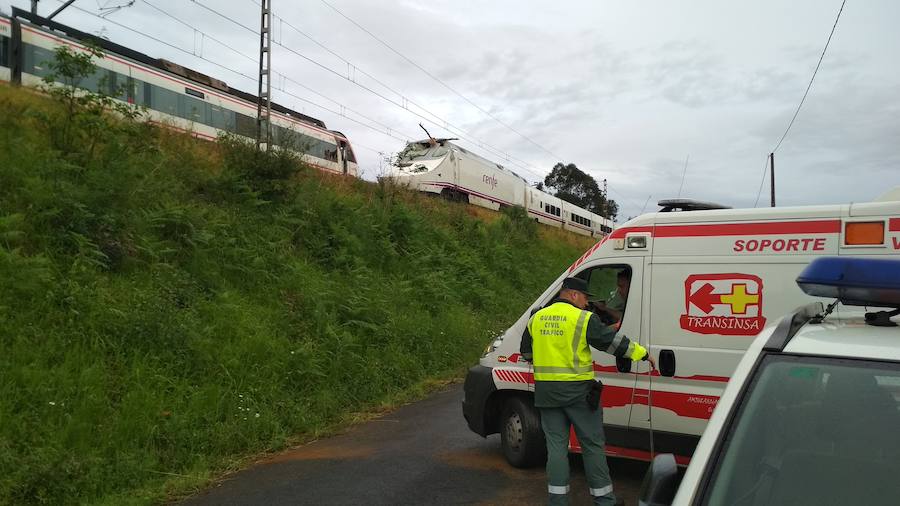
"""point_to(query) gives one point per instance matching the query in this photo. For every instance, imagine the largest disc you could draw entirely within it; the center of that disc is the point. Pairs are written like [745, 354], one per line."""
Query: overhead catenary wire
[436, 120]
[761, 182]
[284, 77]
[388, 130]
[440, 81]
[813, 78]
[405, 102]
[239, 73]
[803, 99]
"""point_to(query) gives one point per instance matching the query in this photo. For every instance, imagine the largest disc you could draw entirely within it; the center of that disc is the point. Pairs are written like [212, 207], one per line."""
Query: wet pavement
[422, 453]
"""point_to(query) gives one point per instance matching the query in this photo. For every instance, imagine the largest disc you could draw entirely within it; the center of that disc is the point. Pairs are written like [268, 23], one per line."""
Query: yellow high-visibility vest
[559, 343]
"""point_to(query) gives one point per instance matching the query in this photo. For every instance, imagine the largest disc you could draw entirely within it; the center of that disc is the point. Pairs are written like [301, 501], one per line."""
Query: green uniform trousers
[589, 429]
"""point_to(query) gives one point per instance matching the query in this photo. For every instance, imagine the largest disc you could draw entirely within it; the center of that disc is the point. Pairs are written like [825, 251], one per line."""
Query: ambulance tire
[521, 436]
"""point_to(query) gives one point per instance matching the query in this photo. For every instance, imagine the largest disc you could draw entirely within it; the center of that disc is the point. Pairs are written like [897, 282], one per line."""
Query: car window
[610, 285]
[812, 432]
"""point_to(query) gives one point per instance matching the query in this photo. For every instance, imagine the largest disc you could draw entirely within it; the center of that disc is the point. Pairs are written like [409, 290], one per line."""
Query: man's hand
[652, 362]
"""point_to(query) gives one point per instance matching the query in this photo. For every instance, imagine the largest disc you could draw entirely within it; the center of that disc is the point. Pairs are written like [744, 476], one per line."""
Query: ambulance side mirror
[623, 364]
[661, 482]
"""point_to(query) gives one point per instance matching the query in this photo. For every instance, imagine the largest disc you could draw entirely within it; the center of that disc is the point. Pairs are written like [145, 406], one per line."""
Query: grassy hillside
[169, 307]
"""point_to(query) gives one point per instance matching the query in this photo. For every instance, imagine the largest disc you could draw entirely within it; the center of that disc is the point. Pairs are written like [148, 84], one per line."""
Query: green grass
[170, 308]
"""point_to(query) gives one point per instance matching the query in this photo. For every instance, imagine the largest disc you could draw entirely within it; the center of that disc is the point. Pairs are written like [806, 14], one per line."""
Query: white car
[812, 413]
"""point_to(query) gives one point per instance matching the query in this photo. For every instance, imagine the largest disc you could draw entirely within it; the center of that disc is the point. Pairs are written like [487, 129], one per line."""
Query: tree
[85, 120]
[571, 184]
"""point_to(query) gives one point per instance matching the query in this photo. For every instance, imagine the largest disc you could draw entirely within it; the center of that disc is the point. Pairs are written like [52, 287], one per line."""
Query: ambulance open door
[617, 285]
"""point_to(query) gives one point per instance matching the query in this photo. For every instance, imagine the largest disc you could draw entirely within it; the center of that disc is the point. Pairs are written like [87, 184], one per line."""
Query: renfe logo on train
[489, 180]
[725, 304]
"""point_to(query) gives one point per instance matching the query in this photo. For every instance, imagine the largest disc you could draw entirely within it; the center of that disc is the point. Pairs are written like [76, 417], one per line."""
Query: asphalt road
[422, 453]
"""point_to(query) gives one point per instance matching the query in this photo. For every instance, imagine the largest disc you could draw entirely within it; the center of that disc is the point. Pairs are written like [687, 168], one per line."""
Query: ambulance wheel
[521, 436]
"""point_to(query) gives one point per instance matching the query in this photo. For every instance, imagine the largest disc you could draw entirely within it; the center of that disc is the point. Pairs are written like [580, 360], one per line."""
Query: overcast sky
[625, 90]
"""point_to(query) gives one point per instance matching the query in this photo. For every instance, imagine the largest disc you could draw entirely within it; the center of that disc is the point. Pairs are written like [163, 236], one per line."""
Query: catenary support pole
[264, 102]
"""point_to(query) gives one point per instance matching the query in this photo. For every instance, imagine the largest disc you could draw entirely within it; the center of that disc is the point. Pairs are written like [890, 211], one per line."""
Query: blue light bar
[853, 281]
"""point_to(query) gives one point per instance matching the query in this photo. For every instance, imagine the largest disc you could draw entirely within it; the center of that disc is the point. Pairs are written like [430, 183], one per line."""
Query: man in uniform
[614, 307]
[556, 342]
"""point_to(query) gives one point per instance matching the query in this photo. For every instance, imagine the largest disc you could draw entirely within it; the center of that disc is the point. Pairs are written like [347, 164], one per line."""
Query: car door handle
[667, 363]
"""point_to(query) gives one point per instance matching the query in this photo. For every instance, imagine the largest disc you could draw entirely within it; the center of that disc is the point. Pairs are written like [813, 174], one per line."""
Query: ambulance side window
[610, 285]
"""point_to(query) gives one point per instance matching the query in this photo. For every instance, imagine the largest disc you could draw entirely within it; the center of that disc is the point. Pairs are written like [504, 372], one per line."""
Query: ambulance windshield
[813, 431]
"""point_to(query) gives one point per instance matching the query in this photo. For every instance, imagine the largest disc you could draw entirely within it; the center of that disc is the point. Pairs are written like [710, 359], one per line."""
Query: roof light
[853, 281]
[864, 233]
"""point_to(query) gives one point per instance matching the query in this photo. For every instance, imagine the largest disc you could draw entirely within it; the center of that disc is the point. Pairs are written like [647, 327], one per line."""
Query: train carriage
[441, 167]
[173, 95]
[544, 208]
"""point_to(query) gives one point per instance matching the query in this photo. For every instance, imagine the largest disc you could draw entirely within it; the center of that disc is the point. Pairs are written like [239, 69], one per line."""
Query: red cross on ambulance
[728, 304]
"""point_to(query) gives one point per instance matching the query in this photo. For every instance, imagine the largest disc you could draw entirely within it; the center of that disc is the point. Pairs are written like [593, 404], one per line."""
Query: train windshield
[415, 152]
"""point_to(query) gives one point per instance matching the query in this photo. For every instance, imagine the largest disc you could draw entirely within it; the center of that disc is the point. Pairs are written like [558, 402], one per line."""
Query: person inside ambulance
[557, 342]
[613, 308]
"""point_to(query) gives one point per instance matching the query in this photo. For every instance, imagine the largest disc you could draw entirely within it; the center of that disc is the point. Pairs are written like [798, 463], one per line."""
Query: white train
[441, 167]
[175, 96]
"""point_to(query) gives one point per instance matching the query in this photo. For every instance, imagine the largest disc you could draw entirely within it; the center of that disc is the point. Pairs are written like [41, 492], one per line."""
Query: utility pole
[34, 7]
[772, 175]
[606, 212]
[264, 102]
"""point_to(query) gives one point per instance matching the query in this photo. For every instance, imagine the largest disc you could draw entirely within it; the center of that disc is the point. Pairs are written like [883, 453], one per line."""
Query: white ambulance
[694, 283]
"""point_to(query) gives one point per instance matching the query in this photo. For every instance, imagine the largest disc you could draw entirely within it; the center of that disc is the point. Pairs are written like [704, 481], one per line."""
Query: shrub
[175, 307]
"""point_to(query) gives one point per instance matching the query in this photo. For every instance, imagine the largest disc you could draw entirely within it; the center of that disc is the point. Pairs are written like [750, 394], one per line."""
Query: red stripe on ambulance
[688, 405]
[762, 228]
[682, 404]
[697, 377]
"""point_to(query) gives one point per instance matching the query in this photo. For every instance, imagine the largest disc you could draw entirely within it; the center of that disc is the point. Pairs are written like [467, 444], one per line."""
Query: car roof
[846, 335]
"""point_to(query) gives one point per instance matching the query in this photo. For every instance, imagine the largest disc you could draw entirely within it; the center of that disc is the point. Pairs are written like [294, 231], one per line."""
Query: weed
[171, 306]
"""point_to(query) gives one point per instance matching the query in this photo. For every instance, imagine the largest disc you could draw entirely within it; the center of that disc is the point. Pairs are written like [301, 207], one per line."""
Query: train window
[196, 109]
[164, 100]
[95, 82]
[278, 135]
[112, 83]
[304, 144]
[130, 87]
[191, 109]
[349, 154]
[331, 154]
[4, 51]
[291, 139]
[219, 117]
[244, 125]
[36, 60]
[146, 98]
[418, 151]
[117, 85]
